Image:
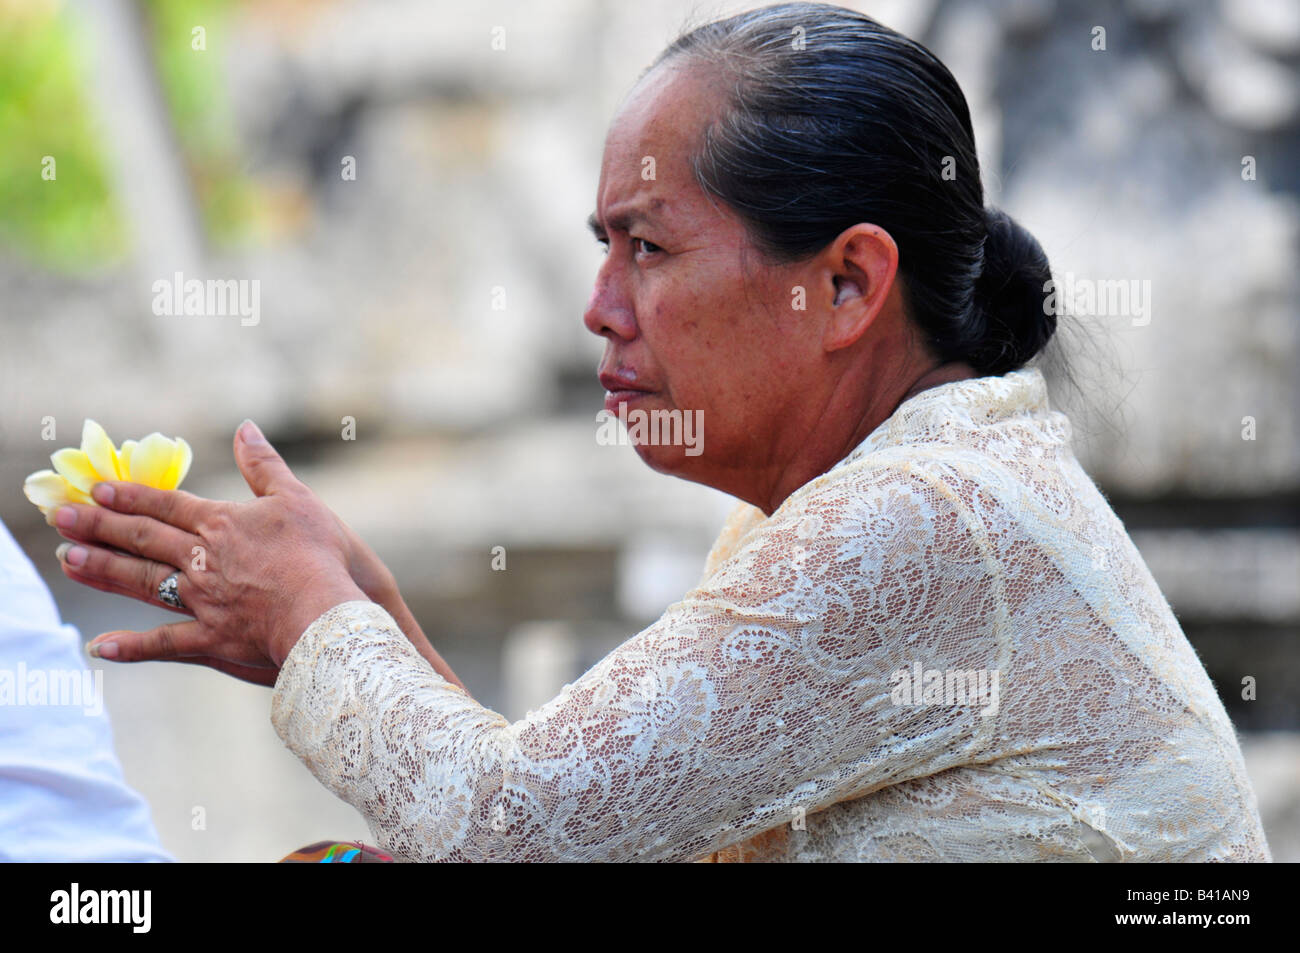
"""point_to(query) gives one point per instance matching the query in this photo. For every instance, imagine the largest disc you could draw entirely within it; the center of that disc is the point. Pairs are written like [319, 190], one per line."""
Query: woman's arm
[376, 581]
[765, 692]
[271, 566]
[411, 629]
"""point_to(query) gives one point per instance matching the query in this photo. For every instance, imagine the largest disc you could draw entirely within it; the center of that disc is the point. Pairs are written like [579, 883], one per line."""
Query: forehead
[648, 146]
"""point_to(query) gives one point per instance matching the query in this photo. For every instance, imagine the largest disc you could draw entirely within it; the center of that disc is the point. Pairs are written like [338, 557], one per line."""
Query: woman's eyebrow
[624, 219]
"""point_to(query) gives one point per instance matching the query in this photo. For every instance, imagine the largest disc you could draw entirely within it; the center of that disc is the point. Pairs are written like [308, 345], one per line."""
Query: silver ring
[168, 593]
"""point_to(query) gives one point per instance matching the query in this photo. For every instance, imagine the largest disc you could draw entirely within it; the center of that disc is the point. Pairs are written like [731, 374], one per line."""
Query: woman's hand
[254, 575]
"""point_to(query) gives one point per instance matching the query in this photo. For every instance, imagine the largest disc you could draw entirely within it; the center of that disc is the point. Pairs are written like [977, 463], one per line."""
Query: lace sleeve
[769, 691]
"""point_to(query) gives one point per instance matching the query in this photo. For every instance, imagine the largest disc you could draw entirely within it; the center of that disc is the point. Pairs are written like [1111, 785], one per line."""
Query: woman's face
[687, 327]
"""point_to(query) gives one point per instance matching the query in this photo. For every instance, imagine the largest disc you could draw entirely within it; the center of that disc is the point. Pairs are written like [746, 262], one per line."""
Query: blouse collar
[943, 414]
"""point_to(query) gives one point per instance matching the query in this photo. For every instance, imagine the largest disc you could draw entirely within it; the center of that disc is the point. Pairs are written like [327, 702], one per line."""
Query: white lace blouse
[946, 647]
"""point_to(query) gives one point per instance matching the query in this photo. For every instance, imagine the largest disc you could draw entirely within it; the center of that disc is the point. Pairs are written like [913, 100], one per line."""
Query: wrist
[382, 589]
[312, 602]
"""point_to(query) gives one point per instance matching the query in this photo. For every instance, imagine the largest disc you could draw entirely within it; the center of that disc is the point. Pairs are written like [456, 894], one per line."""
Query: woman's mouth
[624, 396]
[620, 391]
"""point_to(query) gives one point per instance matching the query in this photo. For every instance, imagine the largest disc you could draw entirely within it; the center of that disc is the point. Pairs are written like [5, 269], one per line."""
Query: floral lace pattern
[763, 718]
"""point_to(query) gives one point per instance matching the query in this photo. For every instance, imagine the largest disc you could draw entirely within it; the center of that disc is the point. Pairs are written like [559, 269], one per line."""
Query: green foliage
[193, 85]
[71, 220]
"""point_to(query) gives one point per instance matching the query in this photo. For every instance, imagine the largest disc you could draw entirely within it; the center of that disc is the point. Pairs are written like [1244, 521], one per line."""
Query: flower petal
[151, 460]
[124, 458]
[96, 445]
[75, 467]
[45, 488]
[182, 457]
[48, 490]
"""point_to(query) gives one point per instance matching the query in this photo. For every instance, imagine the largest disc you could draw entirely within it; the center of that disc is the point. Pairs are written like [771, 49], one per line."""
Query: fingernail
[103, 493]
[249, 433]
[65, 517]
[102, 650]
[72, 555]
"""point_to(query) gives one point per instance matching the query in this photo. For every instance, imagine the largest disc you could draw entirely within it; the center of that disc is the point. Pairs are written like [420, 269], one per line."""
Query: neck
[943, 374]
[812, 465]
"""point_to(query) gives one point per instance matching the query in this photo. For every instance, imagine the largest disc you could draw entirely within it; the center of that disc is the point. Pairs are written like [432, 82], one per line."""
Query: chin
[668, 440]
[670, 460]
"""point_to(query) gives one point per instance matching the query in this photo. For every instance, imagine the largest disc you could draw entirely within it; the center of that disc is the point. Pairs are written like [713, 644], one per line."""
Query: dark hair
[833, 119]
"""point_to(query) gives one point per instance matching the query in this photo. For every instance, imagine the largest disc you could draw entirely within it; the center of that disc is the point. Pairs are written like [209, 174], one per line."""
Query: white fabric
[62, 795]
[756, 720]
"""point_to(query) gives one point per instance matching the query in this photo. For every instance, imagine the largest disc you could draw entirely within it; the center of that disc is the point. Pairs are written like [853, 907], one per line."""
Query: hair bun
[1010, 295]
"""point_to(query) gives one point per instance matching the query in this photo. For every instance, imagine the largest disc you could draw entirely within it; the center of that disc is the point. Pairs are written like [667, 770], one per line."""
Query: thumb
[264, 470]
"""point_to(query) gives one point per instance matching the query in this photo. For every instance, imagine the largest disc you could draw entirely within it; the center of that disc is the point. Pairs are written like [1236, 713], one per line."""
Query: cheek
[713, 338]
[683, 340]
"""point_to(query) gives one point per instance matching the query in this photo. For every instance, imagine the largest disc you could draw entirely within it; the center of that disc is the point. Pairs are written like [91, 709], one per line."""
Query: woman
[904, 644]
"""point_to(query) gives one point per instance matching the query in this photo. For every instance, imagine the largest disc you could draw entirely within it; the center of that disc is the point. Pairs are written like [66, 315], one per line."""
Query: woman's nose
[609, 311]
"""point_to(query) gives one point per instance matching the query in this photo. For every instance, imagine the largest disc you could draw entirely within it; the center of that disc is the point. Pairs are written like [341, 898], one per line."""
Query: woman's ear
[862, 261]
[845, 288]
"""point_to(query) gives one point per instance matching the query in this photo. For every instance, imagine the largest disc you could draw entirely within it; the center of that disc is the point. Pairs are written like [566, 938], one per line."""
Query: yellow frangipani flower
[154, 461]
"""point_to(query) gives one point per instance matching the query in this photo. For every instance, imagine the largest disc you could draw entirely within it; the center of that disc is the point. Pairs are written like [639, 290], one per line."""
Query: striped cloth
[337, 852]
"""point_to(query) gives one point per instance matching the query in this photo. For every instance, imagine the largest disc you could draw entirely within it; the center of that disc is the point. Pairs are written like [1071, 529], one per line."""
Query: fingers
[246, 673]
[117, 590]
[141, 535]
[122, 574]
[264, 470]
[177, 642]
[174, 507]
